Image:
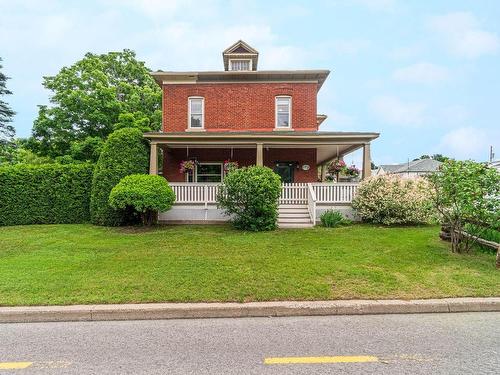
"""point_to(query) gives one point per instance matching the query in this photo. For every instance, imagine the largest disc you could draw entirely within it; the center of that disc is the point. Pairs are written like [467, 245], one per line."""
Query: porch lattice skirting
[300, 204]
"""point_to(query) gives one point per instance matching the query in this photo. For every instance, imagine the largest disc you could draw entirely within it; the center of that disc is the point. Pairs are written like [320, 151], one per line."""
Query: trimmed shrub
[125, 152]
[390, 199]
[146, 194]
[250, 195]
[332, 219]
[45, 194]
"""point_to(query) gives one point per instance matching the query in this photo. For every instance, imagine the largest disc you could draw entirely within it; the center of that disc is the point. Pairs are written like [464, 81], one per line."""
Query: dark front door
[285, 170]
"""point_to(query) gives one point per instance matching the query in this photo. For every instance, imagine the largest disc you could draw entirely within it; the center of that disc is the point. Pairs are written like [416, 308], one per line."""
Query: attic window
[240, 64]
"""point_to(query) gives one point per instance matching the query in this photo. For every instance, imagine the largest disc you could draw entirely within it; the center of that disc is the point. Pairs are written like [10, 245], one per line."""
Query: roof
[421, 165]
[169, 77]
[495, 164]
[328, 145]
[282, 134]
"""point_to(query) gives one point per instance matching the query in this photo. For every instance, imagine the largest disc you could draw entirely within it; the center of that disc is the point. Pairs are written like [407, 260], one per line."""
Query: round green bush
[250, 195]
[125, 152]
[390, 199]
[146, 194]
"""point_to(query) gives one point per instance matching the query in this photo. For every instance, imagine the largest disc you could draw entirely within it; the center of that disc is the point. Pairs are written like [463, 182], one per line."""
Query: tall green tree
[88, 98]
[125, 152]
[7, 131]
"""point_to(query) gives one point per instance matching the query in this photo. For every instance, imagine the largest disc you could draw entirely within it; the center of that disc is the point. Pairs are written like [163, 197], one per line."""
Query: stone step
[294, 220]
[293, 206]
[304, 215]
[295, 225]
[288, 210]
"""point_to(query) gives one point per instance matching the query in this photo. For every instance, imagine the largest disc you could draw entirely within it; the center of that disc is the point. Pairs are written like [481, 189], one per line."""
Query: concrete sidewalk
[150, 311]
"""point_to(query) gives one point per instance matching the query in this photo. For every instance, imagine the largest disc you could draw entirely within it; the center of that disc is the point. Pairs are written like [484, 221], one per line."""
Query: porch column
[324, 168]
[367, 161]
[259, 160]
[153, 158]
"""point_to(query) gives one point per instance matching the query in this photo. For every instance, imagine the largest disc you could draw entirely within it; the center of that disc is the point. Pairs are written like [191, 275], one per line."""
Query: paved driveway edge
[238, 310]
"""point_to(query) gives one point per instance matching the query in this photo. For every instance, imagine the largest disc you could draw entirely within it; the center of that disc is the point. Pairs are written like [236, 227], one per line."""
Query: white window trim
[289, 112]
[231, 64]
[202, 113]
[195, 174]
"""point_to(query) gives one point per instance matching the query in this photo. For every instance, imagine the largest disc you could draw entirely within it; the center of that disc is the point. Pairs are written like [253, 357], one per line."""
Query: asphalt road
[466, 343]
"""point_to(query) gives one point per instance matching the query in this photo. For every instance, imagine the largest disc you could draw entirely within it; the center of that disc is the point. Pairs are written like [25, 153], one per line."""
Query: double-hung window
[283, 112]
[196, 108]
[209, 172]
[240, 64]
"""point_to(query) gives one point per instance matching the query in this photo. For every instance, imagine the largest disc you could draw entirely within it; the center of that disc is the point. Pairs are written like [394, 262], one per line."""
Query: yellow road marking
[14, 365]
[334, 359]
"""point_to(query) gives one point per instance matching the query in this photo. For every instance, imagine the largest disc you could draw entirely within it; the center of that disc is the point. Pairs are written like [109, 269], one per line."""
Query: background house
[495, 164]
[412, 169]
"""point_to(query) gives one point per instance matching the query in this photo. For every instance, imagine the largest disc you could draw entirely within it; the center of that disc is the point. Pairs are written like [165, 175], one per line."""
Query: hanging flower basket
[352, 171]
[187, 166]
[336, 167]
[229, 165]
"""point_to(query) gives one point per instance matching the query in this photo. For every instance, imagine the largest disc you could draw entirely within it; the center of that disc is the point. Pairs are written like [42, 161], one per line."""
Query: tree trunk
[149, 217]
[455, 240]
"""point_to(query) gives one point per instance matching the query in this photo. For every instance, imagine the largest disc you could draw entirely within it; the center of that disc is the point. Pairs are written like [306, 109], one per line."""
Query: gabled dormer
[240, 57]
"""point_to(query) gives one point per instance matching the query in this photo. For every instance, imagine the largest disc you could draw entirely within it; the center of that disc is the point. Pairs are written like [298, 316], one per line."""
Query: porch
[300, 204]
[298, 157]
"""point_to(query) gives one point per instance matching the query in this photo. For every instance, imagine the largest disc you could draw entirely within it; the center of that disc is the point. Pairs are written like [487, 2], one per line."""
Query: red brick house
[250, 116]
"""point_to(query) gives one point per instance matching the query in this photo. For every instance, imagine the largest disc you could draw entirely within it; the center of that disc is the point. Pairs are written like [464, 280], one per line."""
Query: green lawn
[72, 264]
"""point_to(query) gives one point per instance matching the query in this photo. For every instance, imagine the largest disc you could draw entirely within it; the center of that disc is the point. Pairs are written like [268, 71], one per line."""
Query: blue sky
[425, 74]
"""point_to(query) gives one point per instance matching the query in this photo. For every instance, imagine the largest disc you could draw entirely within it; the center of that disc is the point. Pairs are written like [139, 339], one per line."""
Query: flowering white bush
[390, 199]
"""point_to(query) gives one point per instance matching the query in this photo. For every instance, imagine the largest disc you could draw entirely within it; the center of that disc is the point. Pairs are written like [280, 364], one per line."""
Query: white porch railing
[294, 193]
[342, 192]
[188, 192]
[311, 203]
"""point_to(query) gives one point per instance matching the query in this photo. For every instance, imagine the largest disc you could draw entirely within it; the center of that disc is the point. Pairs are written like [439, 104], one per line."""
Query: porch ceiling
[329, 145]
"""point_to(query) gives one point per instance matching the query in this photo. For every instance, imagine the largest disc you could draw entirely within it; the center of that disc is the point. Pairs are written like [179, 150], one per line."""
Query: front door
[285, 170]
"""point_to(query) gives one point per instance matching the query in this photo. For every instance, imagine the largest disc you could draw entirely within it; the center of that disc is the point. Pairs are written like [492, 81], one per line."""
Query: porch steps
[294, 216]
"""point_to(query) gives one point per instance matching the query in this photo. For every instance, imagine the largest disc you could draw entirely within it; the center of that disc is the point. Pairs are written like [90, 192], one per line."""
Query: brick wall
[245, 157]
[239, 106]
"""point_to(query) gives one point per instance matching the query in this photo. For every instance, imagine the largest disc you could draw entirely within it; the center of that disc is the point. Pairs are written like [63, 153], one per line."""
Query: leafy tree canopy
[138, 120]
[466, 191]
[7, 131]
[438, 157]
[88, 98]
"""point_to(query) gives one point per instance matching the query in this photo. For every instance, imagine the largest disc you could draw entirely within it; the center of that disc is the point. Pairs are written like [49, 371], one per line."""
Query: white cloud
[421, 73]
[468, 143]
[393, 110]
[462, 34]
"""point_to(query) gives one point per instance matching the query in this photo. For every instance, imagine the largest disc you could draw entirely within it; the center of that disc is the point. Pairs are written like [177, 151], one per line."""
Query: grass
[73, 264]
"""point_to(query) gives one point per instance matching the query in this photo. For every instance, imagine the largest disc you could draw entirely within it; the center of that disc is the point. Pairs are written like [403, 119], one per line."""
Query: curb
[152, 311]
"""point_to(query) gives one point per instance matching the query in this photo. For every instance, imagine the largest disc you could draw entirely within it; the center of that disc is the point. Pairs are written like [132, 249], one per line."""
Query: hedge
[45, 194]
[125, 152]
